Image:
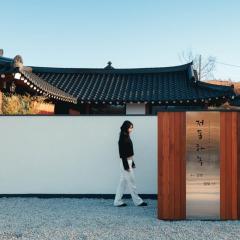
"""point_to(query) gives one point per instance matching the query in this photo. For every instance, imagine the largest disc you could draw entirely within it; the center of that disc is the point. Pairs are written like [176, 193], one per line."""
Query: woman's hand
[133, 164]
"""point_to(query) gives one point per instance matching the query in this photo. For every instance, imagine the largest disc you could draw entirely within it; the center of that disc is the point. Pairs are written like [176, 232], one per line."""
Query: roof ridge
[112, 70]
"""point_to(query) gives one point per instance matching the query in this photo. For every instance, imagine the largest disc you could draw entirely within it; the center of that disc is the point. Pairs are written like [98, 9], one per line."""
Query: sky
[129, 33]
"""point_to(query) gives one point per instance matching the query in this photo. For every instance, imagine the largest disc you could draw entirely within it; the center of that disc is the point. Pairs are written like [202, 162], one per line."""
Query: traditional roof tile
[132, 85]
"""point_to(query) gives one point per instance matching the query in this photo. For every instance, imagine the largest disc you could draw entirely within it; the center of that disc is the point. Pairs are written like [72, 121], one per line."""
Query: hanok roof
[235, 101]
[33, 81]
[160, 84]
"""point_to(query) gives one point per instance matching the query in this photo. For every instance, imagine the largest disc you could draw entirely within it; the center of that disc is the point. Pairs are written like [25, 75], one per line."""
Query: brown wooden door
[171, 165]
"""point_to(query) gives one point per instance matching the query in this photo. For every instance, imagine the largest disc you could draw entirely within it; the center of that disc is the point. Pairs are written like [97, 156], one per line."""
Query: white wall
[135, 108]
[73, 154]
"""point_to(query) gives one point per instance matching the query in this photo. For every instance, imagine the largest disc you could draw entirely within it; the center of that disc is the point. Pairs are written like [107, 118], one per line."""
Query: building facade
[112, 91]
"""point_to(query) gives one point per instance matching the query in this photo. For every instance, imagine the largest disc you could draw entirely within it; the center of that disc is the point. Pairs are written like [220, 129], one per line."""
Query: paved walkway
[71, 218]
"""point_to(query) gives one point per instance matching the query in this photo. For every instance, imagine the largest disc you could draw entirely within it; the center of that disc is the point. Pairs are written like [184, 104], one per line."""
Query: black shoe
[122, 205]
[142, 204]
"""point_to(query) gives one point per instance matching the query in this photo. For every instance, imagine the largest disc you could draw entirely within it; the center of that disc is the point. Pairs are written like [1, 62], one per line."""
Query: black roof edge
[195, 74]
[191, 75]
[222, 88]
[4, 60]
[6, 65]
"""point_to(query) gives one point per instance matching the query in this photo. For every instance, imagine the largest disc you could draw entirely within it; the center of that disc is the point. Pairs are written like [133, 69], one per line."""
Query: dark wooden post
[1, 102]
[87, 108]
[230, 165]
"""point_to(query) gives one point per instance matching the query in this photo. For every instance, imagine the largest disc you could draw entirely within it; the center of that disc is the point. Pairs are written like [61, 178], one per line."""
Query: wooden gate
[172, 165]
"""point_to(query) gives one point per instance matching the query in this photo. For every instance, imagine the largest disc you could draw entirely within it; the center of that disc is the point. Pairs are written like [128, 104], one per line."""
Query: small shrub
[21, 104]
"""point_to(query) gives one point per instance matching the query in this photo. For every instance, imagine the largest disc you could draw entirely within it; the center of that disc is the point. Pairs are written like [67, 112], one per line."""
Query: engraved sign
[202, 165]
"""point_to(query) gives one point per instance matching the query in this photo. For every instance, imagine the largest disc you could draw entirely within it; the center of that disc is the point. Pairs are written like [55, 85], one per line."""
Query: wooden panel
[171, 165]
[238, 164]
[1, 101]
[229, 165]
[73, 112]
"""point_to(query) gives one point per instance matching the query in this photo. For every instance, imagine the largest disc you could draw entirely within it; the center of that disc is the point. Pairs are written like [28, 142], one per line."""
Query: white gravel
[86, 218]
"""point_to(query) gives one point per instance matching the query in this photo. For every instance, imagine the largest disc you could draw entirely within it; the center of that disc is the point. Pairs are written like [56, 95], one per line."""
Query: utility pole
[200, 66]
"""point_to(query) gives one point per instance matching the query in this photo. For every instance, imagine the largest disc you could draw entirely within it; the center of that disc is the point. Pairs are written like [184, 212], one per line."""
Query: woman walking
[126, 168]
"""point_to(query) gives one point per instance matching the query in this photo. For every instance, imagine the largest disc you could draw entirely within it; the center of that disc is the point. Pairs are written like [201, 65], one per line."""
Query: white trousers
[127, 178]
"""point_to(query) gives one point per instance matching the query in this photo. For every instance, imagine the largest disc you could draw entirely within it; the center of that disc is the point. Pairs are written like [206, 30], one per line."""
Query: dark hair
[125, 126]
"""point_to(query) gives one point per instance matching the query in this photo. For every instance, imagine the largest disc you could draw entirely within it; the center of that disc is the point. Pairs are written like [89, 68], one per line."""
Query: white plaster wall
[73, 154]
[135, 108]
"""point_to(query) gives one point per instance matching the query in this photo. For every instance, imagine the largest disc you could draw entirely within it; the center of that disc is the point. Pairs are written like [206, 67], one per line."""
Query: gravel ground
[85, 218]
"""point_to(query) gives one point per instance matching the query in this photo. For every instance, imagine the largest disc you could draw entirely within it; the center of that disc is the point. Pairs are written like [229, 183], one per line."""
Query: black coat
[125, 147]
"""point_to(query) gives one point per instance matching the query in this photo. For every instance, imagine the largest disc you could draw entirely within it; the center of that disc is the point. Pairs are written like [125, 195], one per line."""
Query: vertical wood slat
[229, 165]
[1, 101]
[238, 164]
[171, 165]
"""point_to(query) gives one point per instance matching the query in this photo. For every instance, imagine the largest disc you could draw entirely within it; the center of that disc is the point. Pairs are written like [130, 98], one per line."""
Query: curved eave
[235, 101]
[44, 88]
[6, 65]
[216, 87]
[5, 60]
[218, 90]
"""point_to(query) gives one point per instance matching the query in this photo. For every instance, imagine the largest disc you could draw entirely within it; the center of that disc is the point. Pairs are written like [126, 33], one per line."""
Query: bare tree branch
[204, 66]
